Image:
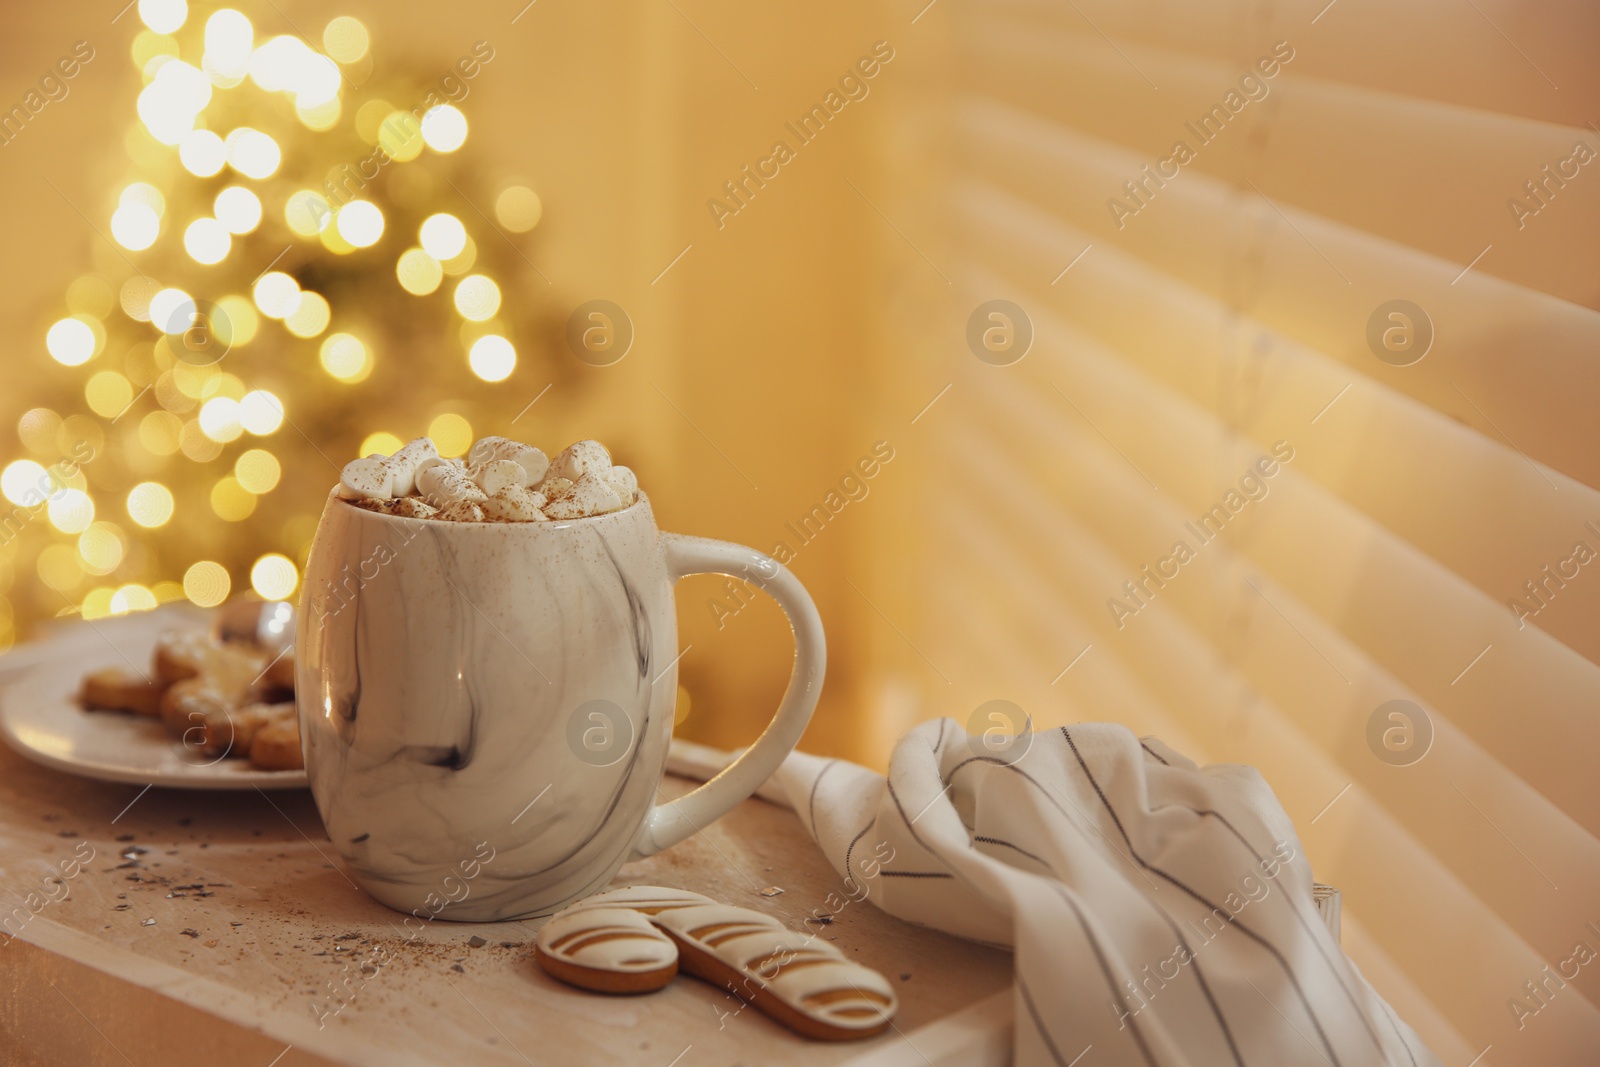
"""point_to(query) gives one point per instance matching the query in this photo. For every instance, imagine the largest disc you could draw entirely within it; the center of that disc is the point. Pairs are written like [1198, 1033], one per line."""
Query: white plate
[41, 719]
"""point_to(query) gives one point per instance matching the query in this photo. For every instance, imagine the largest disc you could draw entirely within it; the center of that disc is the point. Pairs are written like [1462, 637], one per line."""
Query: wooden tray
[233, 933]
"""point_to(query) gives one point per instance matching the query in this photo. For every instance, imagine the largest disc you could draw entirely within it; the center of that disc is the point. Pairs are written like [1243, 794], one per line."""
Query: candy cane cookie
[608, 950]
[806, 984]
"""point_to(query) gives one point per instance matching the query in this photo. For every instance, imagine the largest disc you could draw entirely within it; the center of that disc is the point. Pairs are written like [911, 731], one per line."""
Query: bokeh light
[131, 597]
[319, 117]
[71, 511]
[443, 237]
[146, 194]
[492, 358]
[444, 128]
[451, 433]
[317, 81]
[345, 39]
[169, 105]
[71, 342]
[260, 412]
[219, 419]
[419, 273]
[310, 317]
[360, 222]
[400, 136]
[240, 314]
[257, 470]
[518, 208]
[202, 153]
[229, 41]
[307, 212]
[135, 226]
[370, 118]
[167, 591]
[194, 443]
[26, 483]
[477, 297]
[165, 116]
[206, 583]
[207, 241]
[253, 153]
[97, 604]
[108, 393]
[238, 209]
[276, 294]
[101, 547]
[346, 358]
[333, 242]
[381, 443]
[274, 576]
[163, 16]
[135, 297]
[172, 311]
[185, 84]
[150, 504]
[37, 429]
[231, 501]
[287, 64]
[159, 432]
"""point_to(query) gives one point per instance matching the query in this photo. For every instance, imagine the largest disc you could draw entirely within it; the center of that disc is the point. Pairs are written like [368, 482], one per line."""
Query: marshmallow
[556, 488]
[624, 482]
[579, 458]
[408, 461]
[535, 462]
[501, 480]
[532, 460]
[486, 448]
[515, 504]
[370, 478]
[591, 495]
[496, 474]
[444, 484]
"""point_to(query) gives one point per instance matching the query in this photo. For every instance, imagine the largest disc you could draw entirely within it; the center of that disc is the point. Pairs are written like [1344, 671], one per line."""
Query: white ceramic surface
[41, 719]
[486, 707]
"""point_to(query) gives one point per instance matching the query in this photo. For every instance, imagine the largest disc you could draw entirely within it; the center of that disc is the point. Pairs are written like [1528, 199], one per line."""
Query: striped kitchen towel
[1160, 913]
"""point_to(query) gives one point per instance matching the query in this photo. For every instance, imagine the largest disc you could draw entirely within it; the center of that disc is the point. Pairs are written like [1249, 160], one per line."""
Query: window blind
[1429, 531]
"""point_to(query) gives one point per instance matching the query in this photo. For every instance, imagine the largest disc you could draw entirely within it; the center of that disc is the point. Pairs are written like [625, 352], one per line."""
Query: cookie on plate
[121, 689]
[276, 746]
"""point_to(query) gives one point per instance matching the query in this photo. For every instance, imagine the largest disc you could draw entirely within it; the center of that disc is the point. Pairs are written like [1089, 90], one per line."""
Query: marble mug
[485, 708]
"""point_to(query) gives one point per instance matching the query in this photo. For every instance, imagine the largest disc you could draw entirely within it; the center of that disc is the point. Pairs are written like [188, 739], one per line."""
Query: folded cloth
[1159, 912]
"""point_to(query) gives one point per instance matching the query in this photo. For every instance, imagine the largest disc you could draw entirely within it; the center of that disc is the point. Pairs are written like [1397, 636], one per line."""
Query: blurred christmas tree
[297, 262]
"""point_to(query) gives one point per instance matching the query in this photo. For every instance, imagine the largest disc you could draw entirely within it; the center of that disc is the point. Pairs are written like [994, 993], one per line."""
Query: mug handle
[670, 823]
